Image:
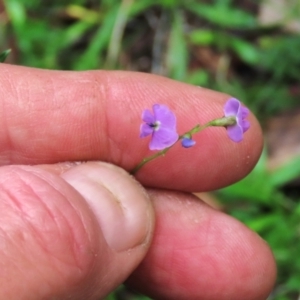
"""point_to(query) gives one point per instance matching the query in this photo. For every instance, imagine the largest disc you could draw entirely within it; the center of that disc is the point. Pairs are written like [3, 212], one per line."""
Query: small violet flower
[161, 124]
[187, 142]
[234, 108]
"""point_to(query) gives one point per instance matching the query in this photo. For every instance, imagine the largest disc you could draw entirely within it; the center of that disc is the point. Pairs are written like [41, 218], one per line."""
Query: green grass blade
[177, 56]
[4, 55]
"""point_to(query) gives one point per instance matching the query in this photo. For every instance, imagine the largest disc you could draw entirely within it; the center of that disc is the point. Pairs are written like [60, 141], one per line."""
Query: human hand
[76, 231]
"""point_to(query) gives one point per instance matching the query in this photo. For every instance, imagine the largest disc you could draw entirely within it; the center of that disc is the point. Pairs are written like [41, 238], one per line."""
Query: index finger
[52, 116]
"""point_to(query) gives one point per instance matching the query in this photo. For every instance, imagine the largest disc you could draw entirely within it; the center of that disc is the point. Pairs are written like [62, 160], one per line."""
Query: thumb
[66, 232]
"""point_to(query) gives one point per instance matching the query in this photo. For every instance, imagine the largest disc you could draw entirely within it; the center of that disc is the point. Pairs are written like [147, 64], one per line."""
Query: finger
[52, 116]
[69, 236]
[200, 253]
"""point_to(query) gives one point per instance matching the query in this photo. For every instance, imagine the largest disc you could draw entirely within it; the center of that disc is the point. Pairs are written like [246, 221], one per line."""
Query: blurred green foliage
[262, 203]
[219, 44]
[255, 63]
[4, 54]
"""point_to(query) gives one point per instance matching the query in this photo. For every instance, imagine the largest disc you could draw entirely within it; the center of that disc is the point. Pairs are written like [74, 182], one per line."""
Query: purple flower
[161, 124]
[233, 108]
[187, 142]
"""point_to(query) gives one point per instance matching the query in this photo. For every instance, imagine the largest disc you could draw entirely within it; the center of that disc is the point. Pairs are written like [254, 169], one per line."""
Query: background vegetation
[225, 45]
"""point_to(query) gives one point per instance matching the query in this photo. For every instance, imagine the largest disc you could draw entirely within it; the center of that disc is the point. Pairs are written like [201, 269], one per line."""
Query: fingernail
[120, 204]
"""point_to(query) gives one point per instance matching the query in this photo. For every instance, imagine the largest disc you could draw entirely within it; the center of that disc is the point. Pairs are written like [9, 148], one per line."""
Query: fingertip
[104, 116]
[57, 230]
[214, 162]
[201, 253]
[120, 204]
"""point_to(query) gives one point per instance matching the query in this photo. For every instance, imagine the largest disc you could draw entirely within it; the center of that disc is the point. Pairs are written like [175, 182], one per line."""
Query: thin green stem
[217, 122]
[194, 130]
[149, 158]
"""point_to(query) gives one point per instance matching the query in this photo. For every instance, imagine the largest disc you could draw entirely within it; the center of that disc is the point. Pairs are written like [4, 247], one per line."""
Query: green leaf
[199, 77]
[140, 6]
[4, 55]
[90, 59]
[17, 13]
[73, 33]
[246, 51]
[177, 56]
[203, 37]
[222, 15]
[254, 187]
[263, 222]
[169, 3]
[294, 283]
[286, 173]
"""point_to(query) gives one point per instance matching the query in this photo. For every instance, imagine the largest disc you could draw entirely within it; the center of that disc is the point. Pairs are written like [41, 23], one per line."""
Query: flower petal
[145, 130]
[245, 125]
[165, 116]
[187, 143]
[235, 133]
[163, 138]
[240, 117]
[245, 112]
[231, 107]
[148, 117]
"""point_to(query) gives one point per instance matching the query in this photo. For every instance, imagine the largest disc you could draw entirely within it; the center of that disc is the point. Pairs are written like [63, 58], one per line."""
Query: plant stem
[149, 158]
[225, 121]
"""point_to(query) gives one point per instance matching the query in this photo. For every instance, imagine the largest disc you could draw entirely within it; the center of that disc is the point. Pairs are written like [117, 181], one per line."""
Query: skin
[78, 230]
